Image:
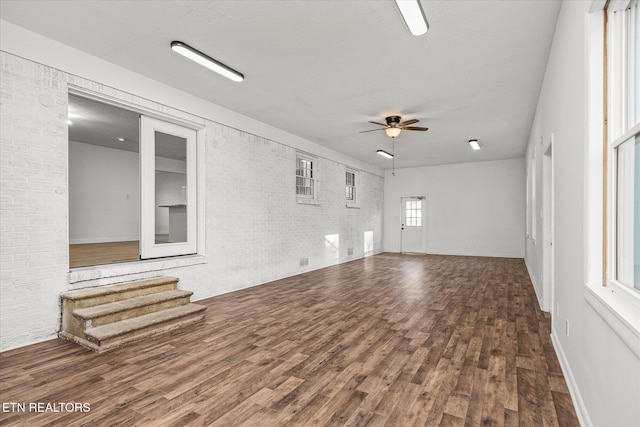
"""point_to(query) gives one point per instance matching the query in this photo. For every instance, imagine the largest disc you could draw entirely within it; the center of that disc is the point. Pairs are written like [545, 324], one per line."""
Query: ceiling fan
[394, 126]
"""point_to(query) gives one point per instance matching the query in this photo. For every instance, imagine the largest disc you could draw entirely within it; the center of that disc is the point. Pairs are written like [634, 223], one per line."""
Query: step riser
[138, 311]
[121, 342]
[119, 296]
[115, 342]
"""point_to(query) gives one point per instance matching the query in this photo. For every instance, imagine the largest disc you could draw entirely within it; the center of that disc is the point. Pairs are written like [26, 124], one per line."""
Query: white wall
[108, 215]
[104, 193]
[472, 208]
[602, 372]
[254, 230]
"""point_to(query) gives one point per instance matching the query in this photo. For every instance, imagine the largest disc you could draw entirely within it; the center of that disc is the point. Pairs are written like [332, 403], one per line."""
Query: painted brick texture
[255, 231]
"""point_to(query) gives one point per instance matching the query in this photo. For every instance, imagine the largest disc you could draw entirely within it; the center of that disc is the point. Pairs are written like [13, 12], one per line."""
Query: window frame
[620, 118]
[149, 248]
[155, 111]
[616, 303]
[613, 207]
[350, 186]
[310, 199]
[355, 203]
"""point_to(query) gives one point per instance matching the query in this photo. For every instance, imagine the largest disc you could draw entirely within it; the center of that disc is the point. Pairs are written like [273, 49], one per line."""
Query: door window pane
[170, 188]
[413, 213]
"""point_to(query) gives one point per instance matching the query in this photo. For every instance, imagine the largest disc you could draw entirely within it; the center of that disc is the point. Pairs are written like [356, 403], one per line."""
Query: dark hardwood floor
[394, 340]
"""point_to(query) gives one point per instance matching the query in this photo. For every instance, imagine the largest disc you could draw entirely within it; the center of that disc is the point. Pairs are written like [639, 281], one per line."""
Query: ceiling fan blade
[372, 130]
[381, 124]
[408, 122]
[414, 128]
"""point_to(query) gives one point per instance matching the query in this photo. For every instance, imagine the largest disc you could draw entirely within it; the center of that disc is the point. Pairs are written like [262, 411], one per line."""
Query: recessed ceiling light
[385, 154]
[206, 61]
[121, 139]
[414, 16]
[474, 144]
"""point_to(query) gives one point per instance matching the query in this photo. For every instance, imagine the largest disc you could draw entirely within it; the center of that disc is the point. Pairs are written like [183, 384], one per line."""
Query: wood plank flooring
[87, 254]
[389, 340]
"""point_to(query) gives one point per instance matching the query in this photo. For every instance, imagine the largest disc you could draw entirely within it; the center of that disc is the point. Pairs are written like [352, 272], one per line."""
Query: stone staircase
[107, 317]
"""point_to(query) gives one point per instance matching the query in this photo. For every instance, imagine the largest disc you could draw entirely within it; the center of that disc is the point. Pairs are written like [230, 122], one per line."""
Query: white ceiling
[321, 69]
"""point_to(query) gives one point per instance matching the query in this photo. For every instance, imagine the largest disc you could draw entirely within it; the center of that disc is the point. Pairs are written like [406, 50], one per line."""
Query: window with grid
[623, 147]
[413, 213]
[304, 177]
[612, 199]
[350, 186]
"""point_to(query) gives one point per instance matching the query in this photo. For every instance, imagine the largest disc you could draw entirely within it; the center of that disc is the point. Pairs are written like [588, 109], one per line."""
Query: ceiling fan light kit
[394, 126]
[392, 132]
[206, 61]
[413, 15]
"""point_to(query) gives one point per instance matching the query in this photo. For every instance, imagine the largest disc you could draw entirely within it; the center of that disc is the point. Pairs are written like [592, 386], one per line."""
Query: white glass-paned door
[168, 189]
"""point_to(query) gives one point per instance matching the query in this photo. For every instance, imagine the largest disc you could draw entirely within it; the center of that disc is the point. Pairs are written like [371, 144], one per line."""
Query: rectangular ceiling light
[474, 144]
[414, 16]
[206, 61]
[385, 154]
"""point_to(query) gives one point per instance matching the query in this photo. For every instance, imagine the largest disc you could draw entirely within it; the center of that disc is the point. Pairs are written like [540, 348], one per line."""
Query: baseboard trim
[576, 398]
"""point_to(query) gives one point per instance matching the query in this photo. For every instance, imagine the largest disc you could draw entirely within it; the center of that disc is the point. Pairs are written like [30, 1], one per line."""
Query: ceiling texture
[321, 69]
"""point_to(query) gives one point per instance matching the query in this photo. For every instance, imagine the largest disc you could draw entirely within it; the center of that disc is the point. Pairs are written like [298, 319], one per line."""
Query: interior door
[168, 189]
[413, 236]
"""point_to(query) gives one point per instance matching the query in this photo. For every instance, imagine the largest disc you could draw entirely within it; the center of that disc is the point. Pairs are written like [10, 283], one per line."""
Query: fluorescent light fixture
[414, 16]
[474, 144]
[206, 61]
[392, 132]
[385, 154]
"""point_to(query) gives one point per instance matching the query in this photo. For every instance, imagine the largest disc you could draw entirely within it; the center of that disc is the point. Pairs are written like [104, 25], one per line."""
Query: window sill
[308, 202]
[113, 273]
[620, 308]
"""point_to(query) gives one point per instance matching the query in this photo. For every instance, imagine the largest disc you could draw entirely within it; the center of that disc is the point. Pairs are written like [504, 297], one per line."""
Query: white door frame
[424, 221]
[149, 248]
[548, 228]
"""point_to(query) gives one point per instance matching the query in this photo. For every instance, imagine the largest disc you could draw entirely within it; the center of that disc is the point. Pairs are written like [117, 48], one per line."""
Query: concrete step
[103, 314]
[90, 297]
[114, 335]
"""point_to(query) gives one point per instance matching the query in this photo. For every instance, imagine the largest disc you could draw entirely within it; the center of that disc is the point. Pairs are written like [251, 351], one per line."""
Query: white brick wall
[33, 209]
[255, 230]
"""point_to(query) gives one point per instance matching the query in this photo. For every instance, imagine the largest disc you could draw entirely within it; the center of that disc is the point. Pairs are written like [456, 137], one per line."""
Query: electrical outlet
[566, 327]
[304, 261]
